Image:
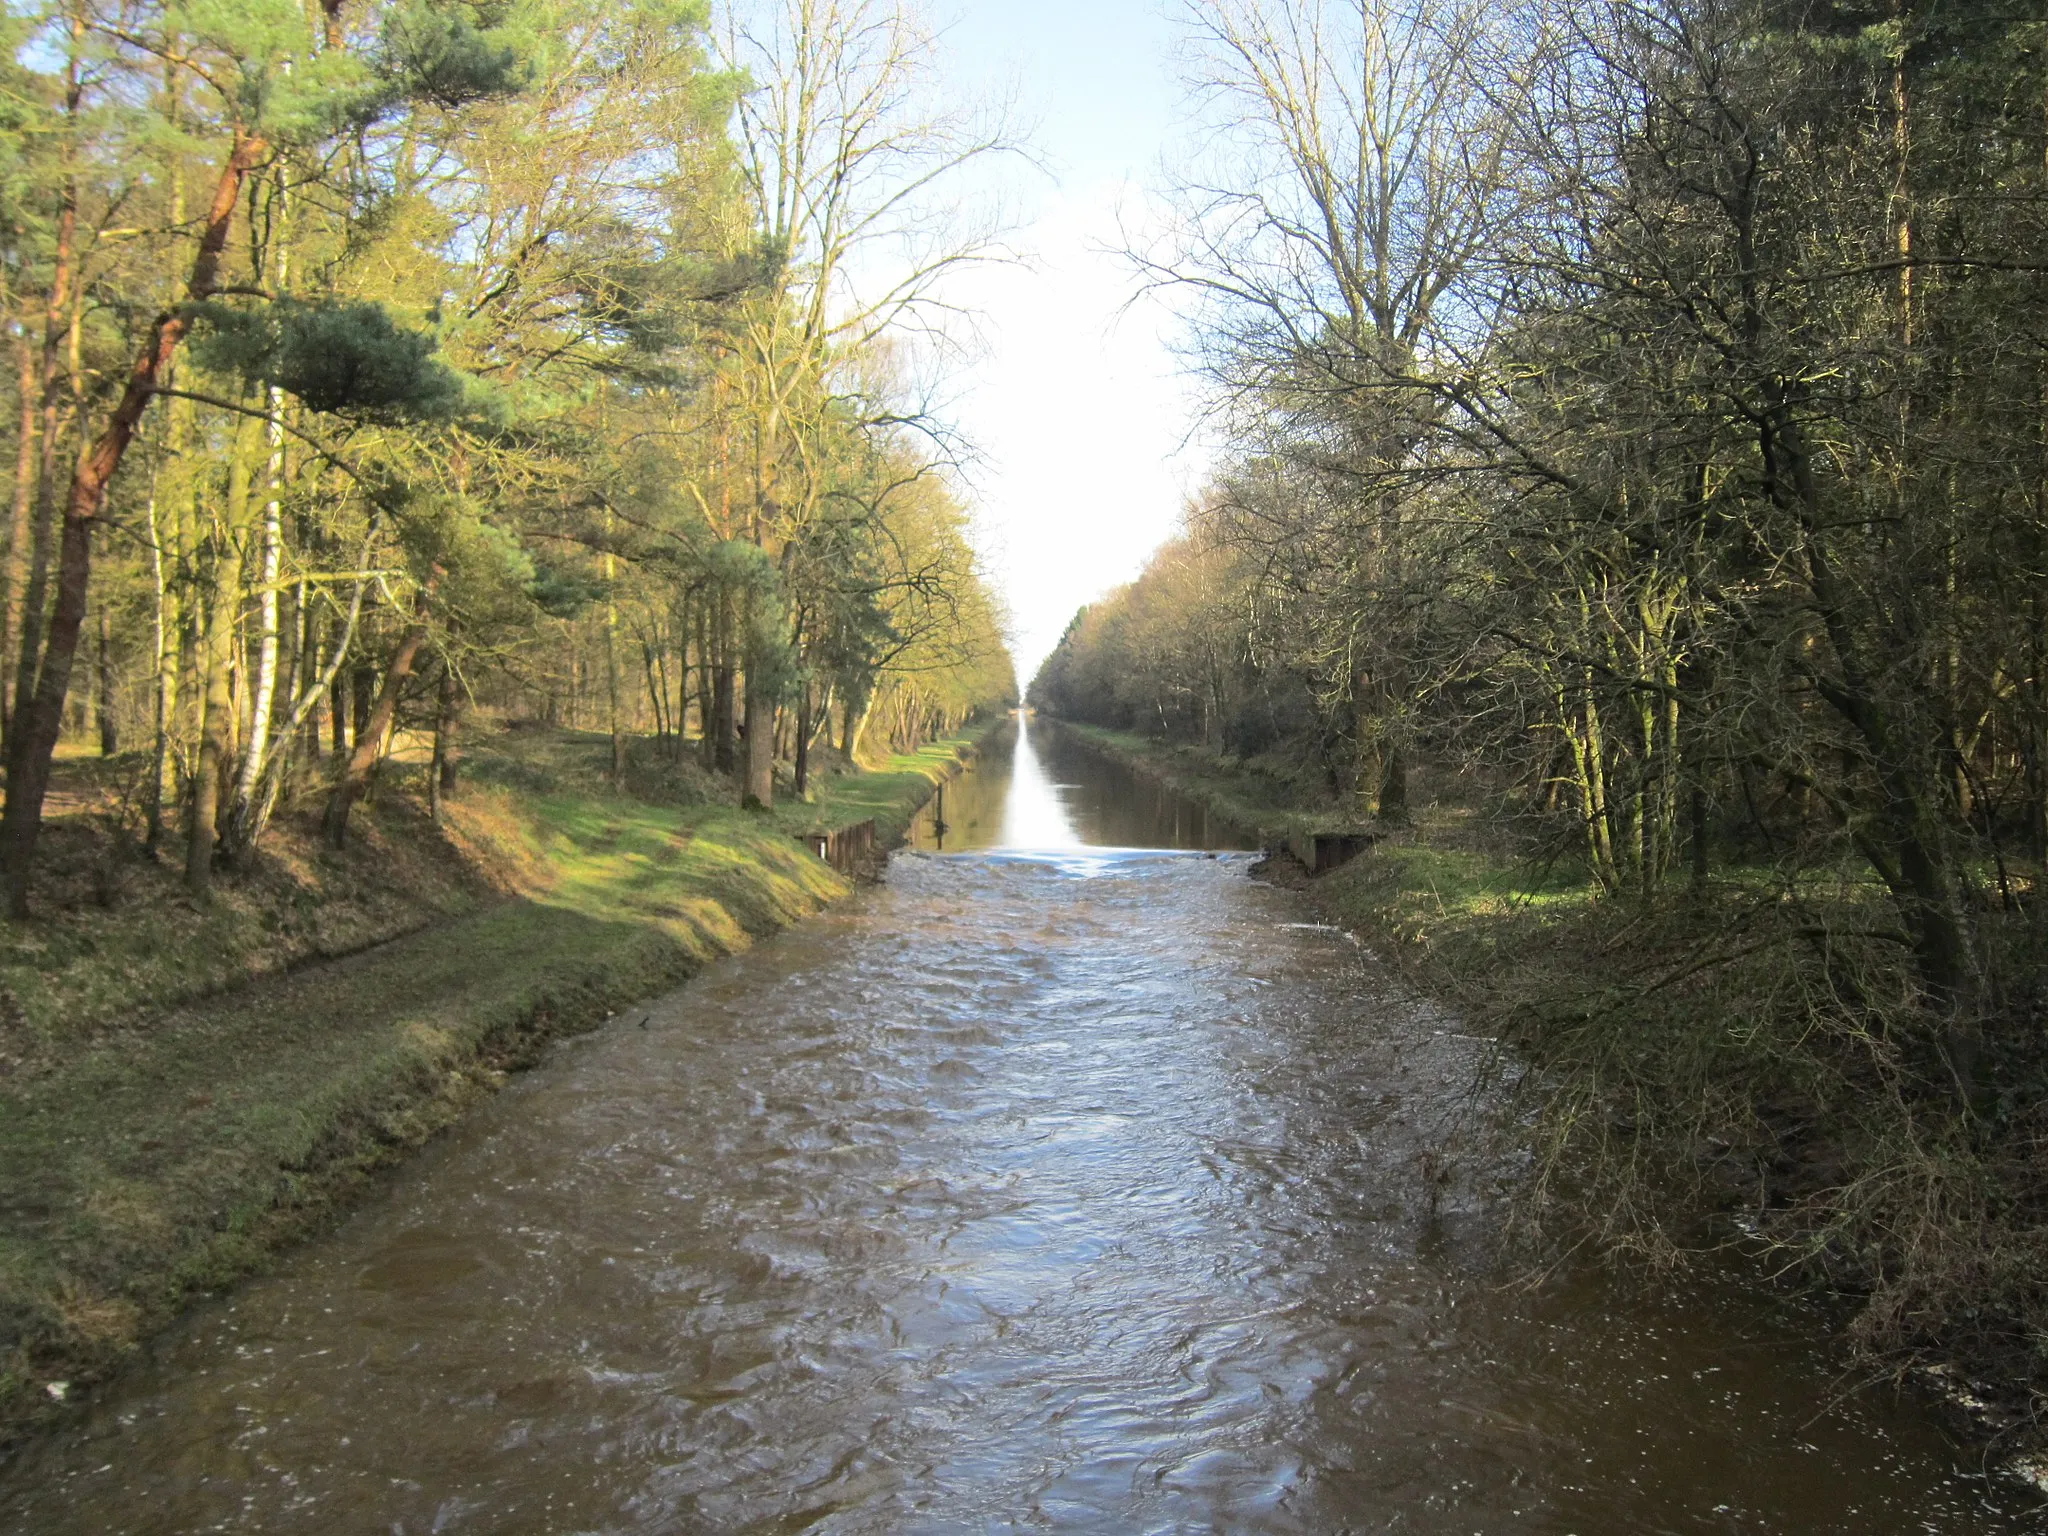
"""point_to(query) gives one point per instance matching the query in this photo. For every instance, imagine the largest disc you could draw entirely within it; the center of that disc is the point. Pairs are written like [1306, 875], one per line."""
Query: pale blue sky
[1079, 411]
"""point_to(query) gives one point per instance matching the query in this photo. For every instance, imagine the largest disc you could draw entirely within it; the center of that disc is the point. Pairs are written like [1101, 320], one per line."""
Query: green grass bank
[184, 1091]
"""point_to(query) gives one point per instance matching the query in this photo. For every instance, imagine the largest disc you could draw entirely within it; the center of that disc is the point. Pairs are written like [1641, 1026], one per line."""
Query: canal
[1070, 1179]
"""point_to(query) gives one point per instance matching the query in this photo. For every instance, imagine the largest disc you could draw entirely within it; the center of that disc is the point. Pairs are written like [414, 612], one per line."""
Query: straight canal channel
[1070, 1179]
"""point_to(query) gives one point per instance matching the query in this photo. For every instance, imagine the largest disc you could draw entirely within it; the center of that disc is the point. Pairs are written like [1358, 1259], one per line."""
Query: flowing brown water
[1073, 1190]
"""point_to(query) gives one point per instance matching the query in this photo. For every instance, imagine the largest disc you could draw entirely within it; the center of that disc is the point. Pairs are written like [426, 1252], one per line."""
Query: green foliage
[277, 80]
[742, 567]
[485, 581]
[454, 53]
[345, 356]
[563, 591]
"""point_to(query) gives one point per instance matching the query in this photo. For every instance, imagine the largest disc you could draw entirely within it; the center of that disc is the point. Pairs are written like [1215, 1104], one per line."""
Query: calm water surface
[1064, 1182]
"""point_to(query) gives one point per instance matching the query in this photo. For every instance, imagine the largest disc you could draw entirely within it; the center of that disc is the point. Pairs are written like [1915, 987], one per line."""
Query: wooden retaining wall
[848, 850]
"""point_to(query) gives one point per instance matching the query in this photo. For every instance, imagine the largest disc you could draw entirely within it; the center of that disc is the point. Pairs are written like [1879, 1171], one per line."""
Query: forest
[379, 365]
[1636, 473]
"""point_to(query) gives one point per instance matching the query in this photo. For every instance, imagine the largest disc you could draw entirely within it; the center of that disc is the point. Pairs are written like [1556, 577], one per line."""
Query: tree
[266, 82]
[1359, 170]
[848, 176]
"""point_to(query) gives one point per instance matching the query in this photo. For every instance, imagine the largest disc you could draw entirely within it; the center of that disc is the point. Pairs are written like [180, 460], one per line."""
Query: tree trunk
[450, 724]
[613, 723]
[680, 702]
[362, 692]
[441, 772]
[853, 717]
[355, 774]
[706, 711]
[757, 788]
[244, 829]
[244, 818]
[1906, 844]
[722, 692]
[304, 676]
[857, 735]
[164, 693]
[14, 574]
[803, 744]
[219, 649]
[42, 715]
[27, 657]
[174, 651]
[654, 657]
[1394, 785]
[110, 740]
[340, 708]
[1697, 816]
[291, 661]
[216, 652]
[263, 685]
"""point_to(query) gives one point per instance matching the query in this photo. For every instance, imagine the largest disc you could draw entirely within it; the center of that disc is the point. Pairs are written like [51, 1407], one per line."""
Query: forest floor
[184, 1089]
[1691, 1082]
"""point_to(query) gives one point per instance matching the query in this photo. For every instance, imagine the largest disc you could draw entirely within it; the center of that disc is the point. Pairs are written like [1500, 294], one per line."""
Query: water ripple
[1075, 1191]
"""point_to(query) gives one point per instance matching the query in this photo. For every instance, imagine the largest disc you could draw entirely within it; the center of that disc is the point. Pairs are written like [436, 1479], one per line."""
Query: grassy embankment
[1741, 1062]
[183, 1091]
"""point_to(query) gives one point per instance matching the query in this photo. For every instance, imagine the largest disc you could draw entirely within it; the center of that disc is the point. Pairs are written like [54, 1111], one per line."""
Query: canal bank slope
[185, 1091]
[1688, 1094]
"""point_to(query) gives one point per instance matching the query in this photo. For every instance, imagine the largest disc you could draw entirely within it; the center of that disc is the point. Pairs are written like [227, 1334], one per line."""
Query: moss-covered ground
[184, 1090]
